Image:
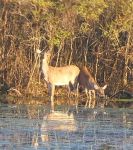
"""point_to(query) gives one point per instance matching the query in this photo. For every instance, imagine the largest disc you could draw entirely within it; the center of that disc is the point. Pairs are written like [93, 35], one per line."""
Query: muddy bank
[65, 100]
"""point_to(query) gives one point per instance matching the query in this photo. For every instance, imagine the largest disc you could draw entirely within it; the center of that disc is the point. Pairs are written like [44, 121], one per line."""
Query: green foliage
[43, 3]
[90, 9]
[85, 27]
[24, 24]
[59, 37]
[117, 18]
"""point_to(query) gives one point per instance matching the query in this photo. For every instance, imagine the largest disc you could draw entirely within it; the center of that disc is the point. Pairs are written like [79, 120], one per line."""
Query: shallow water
[26, 127]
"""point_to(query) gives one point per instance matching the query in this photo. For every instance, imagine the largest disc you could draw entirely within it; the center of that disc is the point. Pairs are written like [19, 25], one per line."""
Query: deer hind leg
[70, 88]
[77, 88]
[73, 86]
[94, 98]
[69, 91]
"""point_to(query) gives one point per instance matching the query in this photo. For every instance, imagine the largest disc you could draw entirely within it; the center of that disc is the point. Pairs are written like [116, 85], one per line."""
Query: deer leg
[69, 93]
[70, 88]
[52, 97]
[77, 89]
[86, 92]
[94, 96]
[90, 97]
[74, 86]
[49, 89]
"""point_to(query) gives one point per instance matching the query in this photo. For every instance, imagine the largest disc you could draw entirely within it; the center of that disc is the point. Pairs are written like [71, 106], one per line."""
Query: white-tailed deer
[58, 76]
[87, 82]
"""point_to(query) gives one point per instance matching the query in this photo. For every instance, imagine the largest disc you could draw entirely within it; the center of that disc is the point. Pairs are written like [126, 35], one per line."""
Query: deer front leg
[52, 96]
[51, 89]
[90, 97]
[86, 92]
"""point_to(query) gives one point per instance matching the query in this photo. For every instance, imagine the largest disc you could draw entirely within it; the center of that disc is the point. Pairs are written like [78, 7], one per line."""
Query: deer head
[100, 90]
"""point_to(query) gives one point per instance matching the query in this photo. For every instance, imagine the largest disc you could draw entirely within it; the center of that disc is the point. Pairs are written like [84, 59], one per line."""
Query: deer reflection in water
[56, 123]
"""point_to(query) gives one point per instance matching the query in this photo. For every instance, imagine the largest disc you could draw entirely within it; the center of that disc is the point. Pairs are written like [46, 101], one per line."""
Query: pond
[35, 127]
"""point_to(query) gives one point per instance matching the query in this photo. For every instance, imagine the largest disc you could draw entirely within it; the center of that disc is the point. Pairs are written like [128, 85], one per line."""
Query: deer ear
[104, 87]
[96, 87]
[38, 51]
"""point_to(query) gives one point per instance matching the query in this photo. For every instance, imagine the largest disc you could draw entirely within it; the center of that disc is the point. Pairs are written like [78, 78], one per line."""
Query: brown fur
[87, 82]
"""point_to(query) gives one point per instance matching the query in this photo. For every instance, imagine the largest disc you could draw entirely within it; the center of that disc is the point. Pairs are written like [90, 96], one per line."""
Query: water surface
[29, 127]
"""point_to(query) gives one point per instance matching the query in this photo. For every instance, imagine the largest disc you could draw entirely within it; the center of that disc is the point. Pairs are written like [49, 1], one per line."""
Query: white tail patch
[38, 51]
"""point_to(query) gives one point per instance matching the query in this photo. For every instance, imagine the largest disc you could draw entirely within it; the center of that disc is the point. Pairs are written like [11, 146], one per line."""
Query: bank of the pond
[41, 100]
[120, 103]
[64, 99]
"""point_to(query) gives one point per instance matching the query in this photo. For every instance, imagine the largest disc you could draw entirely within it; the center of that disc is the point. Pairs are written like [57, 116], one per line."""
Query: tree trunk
[126, 60]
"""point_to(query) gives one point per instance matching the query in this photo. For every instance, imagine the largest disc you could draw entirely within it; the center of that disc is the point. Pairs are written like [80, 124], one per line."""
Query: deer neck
[45, 69]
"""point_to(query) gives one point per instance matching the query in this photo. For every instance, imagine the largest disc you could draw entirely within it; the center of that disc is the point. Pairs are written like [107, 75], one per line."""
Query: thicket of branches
[96, 33]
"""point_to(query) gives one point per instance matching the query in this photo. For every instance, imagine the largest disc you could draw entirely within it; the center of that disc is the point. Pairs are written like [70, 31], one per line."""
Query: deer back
[85, 78]
[63, 75]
